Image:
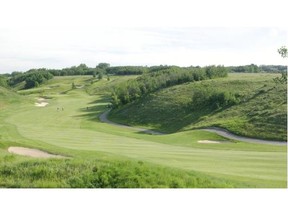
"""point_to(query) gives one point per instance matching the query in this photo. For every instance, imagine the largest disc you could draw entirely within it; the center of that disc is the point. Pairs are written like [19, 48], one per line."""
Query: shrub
[213, 100]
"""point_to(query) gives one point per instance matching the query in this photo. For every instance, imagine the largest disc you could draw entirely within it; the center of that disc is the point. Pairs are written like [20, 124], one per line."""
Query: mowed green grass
[77, 129]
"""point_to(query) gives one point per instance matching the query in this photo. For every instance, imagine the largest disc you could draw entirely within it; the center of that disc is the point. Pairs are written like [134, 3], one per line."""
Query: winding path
[219, 131]
[229, 135]
[103, 118]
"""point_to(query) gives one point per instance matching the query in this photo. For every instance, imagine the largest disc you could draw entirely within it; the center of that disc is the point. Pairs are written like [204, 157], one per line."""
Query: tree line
[252, 68]
[32, 78]
[150, 82]
[35, 77]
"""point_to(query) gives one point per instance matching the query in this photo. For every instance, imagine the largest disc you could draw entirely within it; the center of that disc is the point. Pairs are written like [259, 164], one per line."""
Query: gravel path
[227, 134]
[219, 131]
[103, 118]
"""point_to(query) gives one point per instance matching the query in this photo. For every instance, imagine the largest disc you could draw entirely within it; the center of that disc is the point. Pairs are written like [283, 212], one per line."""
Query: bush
[213, 100]
[32, 78]
[222, 99]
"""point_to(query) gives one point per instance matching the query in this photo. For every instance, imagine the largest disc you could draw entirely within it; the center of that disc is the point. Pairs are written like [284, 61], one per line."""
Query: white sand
[32, 152]
[207, 141]
[41, 102]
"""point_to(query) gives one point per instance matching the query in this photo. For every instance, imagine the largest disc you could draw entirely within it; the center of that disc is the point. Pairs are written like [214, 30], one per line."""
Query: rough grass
[261, 111]
[8, 97]
[100, 174]
[174, 160]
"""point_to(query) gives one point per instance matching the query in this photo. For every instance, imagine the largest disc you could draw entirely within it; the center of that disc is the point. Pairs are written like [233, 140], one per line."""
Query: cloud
[55, 47]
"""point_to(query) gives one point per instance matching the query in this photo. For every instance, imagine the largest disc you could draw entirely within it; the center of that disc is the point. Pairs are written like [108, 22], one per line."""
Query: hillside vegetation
[8, 97]
[156, 80]
[252, 105]
[80, 173]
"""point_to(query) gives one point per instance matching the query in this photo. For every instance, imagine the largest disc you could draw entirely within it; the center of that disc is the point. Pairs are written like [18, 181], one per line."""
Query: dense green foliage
[82, 69]
[99, 174]
[151, 82]
[272, 68]
[249, 105]
[35, 77]
[214, 99]
[32, 78]
[258, 69]
[245, 69]
[127, 70]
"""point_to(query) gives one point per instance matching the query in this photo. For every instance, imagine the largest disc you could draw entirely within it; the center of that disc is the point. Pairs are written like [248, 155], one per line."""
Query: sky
[58, 34]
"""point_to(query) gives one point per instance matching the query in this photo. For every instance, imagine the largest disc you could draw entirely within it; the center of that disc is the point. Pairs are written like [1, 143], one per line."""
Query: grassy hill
[8, 97]
[255, 107]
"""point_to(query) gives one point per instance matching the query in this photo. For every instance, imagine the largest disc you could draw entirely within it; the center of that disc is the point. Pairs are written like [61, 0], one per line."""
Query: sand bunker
[207, 141]
[32, 152]
[41, 102]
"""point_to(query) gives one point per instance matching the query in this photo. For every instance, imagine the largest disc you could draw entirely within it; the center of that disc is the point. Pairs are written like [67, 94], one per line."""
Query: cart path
[103, 118]
[219, 131]
[229, 135]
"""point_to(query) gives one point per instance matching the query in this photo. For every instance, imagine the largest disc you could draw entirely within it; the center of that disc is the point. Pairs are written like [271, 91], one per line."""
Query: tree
[283, 51]
[103, 66]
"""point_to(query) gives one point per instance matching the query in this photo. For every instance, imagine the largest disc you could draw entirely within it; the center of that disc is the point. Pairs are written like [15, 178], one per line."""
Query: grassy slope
[8, 97]
[77, 132]
[262, 113]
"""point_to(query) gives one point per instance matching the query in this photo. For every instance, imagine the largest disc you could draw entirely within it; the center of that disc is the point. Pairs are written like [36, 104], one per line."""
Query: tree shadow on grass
[181, 121]
[101, 100]
[94, 109]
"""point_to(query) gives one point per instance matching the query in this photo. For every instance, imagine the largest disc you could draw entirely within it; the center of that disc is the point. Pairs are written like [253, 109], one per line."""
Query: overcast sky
[58, 34]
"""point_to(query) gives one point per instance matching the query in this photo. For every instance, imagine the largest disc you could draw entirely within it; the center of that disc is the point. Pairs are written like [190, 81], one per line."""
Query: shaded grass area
[260, 110]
